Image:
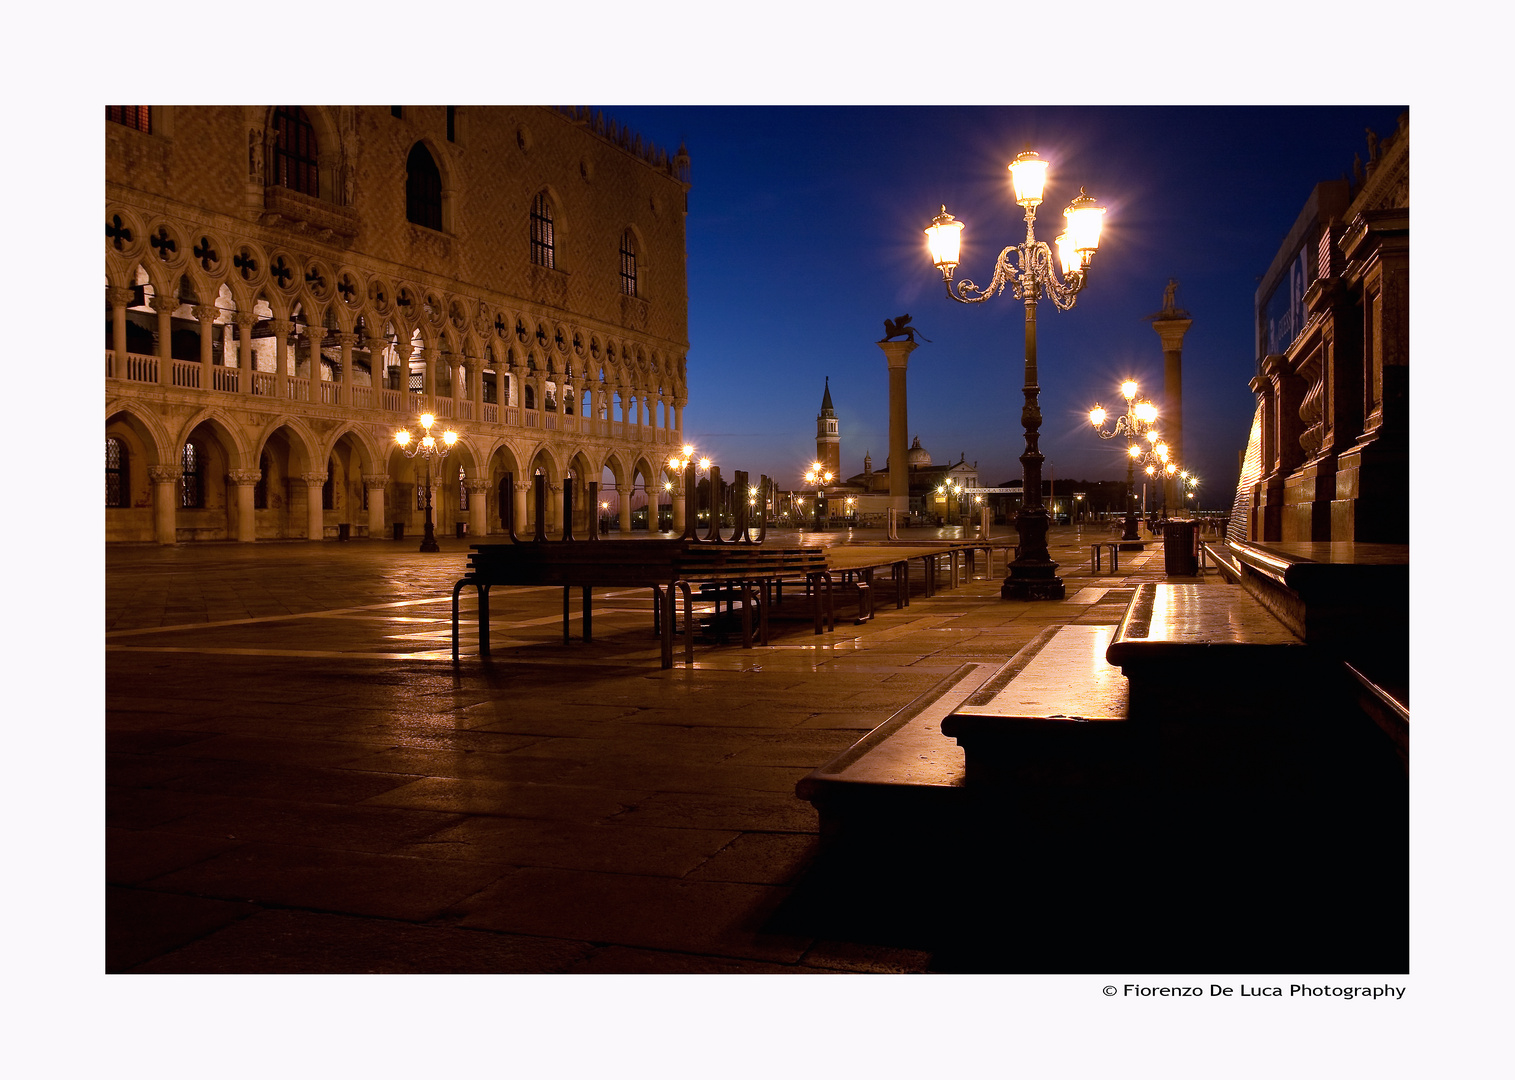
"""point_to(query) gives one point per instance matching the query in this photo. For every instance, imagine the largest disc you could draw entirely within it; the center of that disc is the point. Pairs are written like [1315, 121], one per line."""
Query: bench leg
[1094, 559]
[1114, 558]
[664, 606]
[483, 591]
[455, 590]
[588, 633]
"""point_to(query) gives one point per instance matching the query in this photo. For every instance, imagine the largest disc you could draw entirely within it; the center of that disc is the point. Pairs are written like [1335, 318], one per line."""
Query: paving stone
[613, 847]
[298, 782]
[375, 829]
[760, 858]
[286, 875]
[509, 799]
[133, 856]
[617, 960]
[302, 942]
[143, 923]
[625, 909]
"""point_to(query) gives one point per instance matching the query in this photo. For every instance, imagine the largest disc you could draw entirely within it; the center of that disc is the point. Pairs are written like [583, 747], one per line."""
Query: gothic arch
[330, 152]
[156, 443]
[227, 431]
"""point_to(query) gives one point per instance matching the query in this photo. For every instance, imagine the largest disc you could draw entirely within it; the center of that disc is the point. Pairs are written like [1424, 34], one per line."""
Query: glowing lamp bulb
[1085, 218]
[403, 438]
[944, 240]
[1097, 416]
[1146, 412]
[427, 420]
[1028, 172]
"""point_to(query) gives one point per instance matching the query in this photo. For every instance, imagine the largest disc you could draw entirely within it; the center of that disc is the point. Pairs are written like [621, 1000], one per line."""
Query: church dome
[919, 457]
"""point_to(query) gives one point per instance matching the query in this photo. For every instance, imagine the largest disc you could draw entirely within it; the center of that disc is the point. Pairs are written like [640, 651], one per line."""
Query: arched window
[191, 471]
[423, 188]
[462, 490]
[260, 489]
[542, 245]
[628, 263]
[295, 151]
[117, 485]
[328, 489]
[530, 400]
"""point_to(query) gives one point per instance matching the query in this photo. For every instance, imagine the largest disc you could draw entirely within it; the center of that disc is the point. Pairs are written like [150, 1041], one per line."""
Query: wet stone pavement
[299, 779]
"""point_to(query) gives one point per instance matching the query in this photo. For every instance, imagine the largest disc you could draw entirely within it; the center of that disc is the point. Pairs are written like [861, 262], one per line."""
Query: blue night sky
[805, 233]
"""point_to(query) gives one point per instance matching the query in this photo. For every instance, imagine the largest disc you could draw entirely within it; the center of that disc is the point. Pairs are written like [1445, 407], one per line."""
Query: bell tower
[828, 439]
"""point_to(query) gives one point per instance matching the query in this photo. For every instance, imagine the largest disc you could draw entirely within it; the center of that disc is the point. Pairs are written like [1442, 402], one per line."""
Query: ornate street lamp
[820, 476]
[1136, 422]
[425, 445]
[1026, 270]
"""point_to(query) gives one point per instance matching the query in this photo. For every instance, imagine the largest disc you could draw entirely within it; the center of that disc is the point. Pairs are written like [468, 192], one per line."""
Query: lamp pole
[1134, 423]
[1026, 270]
[820, 476]
[427, 447]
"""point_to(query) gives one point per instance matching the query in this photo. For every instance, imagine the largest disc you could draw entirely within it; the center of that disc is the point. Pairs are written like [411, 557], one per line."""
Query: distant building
[1328, 458]
[288, 285]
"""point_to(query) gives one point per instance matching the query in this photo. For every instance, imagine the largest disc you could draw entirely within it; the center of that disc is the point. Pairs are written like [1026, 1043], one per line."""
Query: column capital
[163, 305]
[244, 477]
[373, 481]
[164, 474]
[245, 319]
[897, 353]
[205, 312]
[120, 295]
[346, 339]
[312, 478]
[625, 489]
[477, 486]
[523, 486]
[281, 327]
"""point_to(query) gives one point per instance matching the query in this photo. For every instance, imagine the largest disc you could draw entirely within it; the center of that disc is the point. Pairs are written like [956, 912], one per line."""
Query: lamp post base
[1033, 582]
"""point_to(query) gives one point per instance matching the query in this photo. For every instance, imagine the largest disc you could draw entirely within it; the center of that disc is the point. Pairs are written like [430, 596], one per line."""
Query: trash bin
[399, 530]
[462, 529]
[344, 531]
[1181, 547]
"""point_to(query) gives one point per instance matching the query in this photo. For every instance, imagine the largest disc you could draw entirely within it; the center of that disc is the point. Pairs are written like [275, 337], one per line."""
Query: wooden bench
[667, 567]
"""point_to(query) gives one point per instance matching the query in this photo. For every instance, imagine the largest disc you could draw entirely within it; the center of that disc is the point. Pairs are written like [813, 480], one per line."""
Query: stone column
[476, 388]
[478, 506]
[518, 507]
[206, 313]
[623, 507]
[375, 483]
[897, 355]
[281, 330]
[315, 517]
[402, 366]
[245, 321]
[245, 480]
[1171, 327]
[165, 480]
[343, 375]
[120, 299]
[164, 306]
[429, 375]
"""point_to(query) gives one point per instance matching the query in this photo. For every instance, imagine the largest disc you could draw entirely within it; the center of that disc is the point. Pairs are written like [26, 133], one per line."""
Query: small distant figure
[1170, 295]
[900, 327]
